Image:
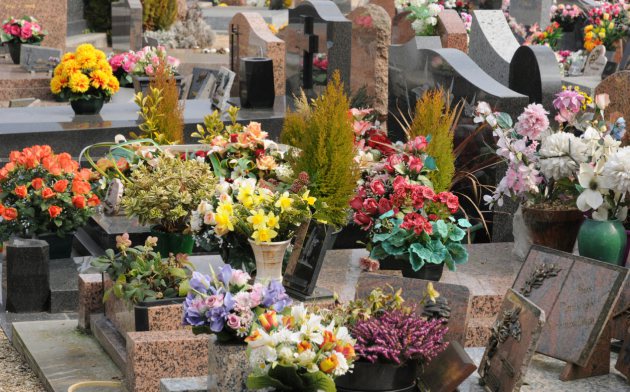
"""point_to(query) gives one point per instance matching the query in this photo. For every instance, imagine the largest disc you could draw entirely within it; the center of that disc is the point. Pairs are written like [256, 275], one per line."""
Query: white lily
[591, 197]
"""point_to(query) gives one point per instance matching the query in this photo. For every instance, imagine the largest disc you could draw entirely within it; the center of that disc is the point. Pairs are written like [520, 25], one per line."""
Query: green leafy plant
[158, 14]
[166, 192]
[140, 274]
[323, 134]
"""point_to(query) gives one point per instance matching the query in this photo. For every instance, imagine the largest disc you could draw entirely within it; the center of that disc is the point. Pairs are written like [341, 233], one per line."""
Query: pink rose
[36, 28]
[15, 30]
[256, 295]
[363, 220]
[377, 187]
[371, 206]
[356, 203]
[155, 60]
[384, 205]
[214, 301]
[392, 161]
[417, 144]
[149, 70]
[128, 65]
[233, 321]
[27, 31]
[6, 28]
[416, 164]
[172, 61]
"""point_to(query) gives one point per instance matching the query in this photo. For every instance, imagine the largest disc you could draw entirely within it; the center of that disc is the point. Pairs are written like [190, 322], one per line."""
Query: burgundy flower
[356, 203]
[371, 206]
[363, 220]
[384, 205]
[377, 187]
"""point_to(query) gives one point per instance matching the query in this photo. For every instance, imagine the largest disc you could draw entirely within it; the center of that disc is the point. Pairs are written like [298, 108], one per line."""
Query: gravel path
[15, 374]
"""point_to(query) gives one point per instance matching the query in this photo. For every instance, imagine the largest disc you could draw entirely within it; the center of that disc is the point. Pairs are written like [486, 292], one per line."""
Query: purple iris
[200, 282]
[225, 275]
[275, 297]
[195, 311]
[217, 318]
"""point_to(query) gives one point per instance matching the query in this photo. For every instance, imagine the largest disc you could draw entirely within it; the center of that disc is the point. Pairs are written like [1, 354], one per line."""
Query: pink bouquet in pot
[148, 59]
[26, 30]
[123, 64]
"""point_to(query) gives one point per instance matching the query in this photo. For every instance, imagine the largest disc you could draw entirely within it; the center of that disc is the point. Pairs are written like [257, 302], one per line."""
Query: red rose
[94, 201]
[10, 214]
[61, 186]
[377, 187]
[356, 203]
[1, 210]
[54, 211]
[400, 181]
[381, 142]
[79, 201]
[200, 154]
[37, 183]
[363, 220]
[233, 138]
[392, 161]
[20, 191]
[416, 164]
[384, 205]
[371, 206]
[48, 193]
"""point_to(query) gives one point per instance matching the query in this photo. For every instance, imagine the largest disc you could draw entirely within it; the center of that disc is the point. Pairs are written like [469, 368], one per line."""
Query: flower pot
[256, 84]
[603, 240]
[14, 50]
[173, 242]
[237, 253]
[142, 83]
[429, 271]
[269, 257]
[58, 247]
[382, 377]
[556, 229]
[91, 105]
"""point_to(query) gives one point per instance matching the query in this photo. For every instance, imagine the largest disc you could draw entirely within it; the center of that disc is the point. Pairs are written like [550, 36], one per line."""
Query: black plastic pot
[379, 377]
[256, 85]
[15, 48]
[58, 247]
[276, 4]
[429, 271]
[87, 106]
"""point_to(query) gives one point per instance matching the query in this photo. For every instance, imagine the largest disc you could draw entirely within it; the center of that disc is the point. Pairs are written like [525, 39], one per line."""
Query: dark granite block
[27, 276]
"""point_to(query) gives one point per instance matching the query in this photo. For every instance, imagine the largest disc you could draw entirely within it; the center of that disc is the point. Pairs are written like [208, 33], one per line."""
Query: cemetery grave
[240, 195]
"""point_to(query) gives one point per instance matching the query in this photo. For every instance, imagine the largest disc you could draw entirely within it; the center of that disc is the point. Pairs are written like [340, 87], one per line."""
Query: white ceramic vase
[269, 256]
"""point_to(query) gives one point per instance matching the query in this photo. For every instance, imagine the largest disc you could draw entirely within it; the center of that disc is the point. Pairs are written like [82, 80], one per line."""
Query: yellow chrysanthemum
[99, 79]
[113, 85]
[257, 219]
[86, 60]
[71, 67]
[79, 83]
[264, 234]
[85, 48]
[55, 85]
[59, 69]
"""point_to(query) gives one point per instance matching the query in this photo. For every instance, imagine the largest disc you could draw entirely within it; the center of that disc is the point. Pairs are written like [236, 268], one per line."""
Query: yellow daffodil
[225, 208]
[273, 221]
[432, 293]
[310, 200]
[264, 234]
[284, 202]
[224, 224]
[258, 219]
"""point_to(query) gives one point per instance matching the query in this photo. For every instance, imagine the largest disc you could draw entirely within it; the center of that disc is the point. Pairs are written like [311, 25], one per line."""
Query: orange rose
[21, 191]
[54, 211]
[80, 187]
[85, 174]
[93, 201]
[1, 210]
[67, 164]
[79, 201]
[10, 214]
[61, 186]
[47, 193]
[37, 183]
[15, 156]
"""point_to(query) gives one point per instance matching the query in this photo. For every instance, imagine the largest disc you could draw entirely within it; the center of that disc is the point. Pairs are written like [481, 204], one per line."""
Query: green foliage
[214, 126]
[140, 274]
[324, 133]
[436, 119]
[168, 192]
[285, 378]
[158, 14]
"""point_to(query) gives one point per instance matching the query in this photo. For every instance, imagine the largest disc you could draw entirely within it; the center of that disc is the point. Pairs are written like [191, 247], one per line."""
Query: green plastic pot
[173, 242]
[603, 240]
[91, 105]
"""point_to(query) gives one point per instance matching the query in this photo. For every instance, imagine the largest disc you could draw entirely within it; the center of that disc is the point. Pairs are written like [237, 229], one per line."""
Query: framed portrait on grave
[199, 78]
[221, 95]
[208, 87]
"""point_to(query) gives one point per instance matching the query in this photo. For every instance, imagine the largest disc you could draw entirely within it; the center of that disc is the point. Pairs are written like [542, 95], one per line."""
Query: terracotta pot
[269, 257]
[556, 229]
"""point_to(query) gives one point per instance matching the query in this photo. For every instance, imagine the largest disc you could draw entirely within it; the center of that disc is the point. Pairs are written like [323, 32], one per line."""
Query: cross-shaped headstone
[308, 43]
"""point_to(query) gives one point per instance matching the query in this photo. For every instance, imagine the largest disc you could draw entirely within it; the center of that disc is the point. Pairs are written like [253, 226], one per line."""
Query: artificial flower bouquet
[567, 16]
[147, 60]
[405, 218]
[422, 13]
[26, 30]
[371, 140]
[43, 193]
[551, 36]
[298, 352]
[140, 274]
[123, 65]
[579, 164]
[608, 24]
[227, 305]
[84, 74]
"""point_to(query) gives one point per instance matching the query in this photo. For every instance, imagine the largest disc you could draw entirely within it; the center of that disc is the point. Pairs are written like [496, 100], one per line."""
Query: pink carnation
[533, 121]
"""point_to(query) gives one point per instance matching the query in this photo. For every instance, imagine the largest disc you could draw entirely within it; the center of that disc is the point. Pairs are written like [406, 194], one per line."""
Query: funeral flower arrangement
[550, 36]
[26, 30]
[608, 24]
[567, 16]
[406, 219]
[140, 274]
[579, 164]
[146, 61]
[371, 140]
[122, 65]
[84, 74]
[423, 14]
[298, 352]
[226, 304]
[42, 192]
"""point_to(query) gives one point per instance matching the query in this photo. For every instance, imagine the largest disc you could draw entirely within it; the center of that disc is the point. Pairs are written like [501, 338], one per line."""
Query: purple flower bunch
[397, 337]
[227, 305]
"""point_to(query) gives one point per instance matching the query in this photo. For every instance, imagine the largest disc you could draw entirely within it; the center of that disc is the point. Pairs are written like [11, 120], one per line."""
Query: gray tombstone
[596, 62]
[530, 12]
[35, 58]
[127, 25]
[487, 4]
[27, 273]
[412, 71]
[492, 44]
[76, 22]
[316, 28]
[534, 71]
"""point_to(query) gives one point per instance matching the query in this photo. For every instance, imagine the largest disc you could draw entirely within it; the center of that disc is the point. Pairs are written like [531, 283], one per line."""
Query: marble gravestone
[52, 15]
[412, 71]
[413, 290]
[250, 36]
[371, 35]
[36, 58]
[530, 12]
[492, 44]
[127, 25]
[596, 62]
[577, 295]
[512, 343]
[534, 72]
[316, 30]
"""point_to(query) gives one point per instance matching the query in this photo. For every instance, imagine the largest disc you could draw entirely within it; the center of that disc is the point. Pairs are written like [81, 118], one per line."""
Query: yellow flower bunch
[85, 71]
[602, 33]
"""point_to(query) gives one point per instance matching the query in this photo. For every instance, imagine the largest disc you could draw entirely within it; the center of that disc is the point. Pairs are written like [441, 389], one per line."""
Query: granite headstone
[27, 276]
[37, 58]
[623, 362]
[530, 12]
[448, 370]
[127, 25]
[617, 86]
[452, 30]
[52, 15]
[512, 343]
[200, 77]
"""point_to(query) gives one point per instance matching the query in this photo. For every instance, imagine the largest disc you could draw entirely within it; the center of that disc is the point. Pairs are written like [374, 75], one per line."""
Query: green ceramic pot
[87, 106]
[602, 240]
[173, 242]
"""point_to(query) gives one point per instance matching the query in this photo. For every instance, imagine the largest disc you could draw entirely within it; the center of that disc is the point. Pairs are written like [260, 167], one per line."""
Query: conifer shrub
[158, 14]
[323, 133]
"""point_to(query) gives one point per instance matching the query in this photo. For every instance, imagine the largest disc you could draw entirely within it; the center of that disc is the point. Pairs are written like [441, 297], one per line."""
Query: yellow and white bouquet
[84, 74]
[298, 352]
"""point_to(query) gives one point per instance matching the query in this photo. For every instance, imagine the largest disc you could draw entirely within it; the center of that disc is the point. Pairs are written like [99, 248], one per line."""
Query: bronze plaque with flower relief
[512, 343]
[413, 291]
[577, 295]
